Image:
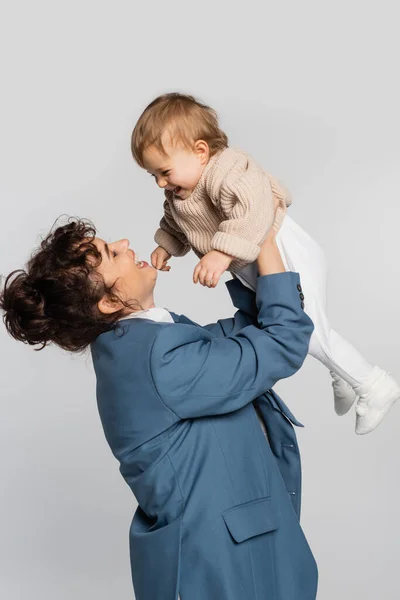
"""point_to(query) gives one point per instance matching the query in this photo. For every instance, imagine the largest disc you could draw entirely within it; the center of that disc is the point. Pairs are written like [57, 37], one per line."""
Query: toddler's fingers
[215, 279]
[209, 280]
[160, 262]
[203, 277]
[196, 273]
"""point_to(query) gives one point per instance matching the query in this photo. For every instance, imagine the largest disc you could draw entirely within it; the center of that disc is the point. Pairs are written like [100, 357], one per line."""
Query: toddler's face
[179, 170]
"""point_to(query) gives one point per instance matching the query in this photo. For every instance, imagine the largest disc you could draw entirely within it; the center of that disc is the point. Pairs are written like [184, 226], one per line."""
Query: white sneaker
[343, 393]
[375, 400]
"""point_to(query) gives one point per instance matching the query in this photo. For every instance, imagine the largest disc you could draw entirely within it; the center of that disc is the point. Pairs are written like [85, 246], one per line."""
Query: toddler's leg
[377, 390]
[302, 254]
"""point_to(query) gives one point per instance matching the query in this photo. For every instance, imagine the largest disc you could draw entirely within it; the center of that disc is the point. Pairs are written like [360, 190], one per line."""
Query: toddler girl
[220, 203]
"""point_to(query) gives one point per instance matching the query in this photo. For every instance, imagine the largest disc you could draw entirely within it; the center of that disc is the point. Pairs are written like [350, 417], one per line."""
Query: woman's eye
[114, 253]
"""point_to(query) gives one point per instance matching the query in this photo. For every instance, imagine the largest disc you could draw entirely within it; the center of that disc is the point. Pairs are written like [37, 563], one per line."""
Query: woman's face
[132, 281]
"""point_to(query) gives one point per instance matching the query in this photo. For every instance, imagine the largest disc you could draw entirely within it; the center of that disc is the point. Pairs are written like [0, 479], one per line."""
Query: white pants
[302, 254]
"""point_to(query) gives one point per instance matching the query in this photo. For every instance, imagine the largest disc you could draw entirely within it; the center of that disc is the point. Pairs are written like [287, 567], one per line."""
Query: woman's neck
[145, 304]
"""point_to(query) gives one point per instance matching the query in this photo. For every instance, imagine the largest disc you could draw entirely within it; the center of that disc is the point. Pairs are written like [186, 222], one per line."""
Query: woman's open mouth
[177, 190]
[141, 263]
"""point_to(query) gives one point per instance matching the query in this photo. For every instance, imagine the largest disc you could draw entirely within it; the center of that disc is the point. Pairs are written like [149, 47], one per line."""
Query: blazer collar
[242, 298]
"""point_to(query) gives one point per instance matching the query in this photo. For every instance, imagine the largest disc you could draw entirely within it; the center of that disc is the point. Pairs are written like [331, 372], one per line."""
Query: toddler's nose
[162, 182]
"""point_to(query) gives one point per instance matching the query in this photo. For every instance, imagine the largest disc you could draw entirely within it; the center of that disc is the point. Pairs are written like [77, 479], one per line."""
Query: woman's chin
[154, 276]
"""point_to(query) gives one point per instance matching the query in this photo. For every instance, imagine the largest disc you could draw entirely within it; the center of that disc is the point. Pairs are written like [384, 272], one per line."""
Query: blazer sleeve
[245, 300]
[197, 373]
[229, 326]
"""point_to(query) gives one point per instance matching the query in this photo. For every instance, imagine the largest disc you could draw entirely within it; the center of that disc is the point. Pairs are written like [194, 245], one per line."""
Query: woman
[218, 494]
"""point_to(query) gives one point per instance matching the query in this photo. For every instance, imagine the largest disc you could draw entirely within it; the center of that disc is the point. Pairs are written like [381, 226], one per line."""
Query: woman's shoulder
[138, 347]
[147, 332]
[128, 332]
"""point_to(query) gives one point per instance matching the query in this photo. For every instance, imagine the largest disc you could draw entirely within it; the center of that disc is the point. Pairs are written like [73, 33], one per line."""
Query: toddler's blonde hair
[185, 118]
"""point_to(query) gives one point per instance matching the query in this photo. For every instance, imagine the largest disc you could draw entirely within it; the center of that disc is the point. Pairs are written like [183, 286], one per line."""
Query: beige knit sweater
[231, 209]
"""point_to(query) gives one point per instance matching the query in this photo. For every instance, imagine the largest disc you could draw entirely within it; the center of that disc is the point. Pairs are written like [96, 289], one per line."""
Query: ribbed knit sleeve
[245, 195]
[169, 235]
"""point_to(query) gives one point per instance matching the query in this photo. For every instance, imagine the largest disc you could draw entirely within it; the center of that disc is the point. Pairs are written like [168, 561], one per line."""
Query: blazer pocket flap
[250, 519]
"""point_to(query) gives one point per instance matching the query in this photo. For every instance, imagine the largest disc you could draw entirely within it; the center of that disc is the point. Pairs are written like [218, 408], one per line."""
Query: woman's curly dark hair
[55, 299]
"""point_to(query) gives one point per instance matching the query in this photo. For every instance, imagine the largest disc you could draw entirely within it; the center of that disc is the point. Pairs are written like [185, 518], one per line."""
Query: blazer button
[302, 305]
[302, 296]
[299, 287]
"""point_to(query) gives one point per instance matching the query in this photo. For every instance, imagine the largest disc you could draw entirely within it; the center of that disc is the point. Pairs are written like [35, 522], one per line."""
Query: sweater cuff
[170, 243]
[235, 246]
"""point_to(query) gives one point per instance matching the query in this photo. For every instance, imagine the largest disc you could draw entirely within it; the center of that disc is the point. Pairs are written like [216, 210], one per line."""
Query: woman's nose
[120, 245]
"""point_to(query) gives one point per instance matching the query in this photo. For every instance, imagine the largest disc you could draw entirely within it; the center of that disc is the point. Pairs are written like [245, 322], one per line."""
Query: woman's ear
[202, 150]
[108, 305]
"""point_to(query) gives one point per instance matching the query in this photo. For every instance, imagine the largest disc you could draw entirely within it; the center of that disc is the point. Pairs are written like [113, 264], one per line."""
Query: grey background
[310, 89]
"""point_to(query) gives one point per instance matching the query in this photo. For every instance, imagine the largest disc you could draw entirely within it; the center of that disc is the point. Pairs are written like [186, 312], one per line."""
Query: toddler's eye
[165, 173]
[114, 253]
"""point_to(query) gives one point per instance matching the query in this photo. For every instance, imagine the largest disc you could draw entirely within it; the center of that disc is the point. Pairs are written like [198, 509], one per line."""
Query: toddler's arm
[169, 236]
[248, 198]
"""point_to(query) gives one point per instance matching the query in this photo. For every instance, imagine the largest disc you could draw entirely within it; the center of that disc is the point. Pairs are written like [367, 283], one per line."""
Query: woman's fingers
[279, 216]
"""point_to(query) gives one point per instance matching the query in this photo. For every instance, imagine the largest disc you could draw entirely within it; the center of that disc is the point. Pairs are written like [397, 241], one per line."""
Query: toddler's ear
[202, 150]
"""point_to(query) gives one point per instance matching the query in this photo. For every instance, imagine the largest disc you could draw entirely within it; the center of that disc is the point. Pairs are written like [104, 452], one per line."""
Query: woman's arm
[268, 262]
[197, 374]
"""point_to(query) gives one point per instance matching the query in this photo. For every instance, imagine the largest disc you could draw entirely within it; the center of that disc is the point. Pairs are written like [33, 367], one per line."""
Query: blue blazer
[218, 514]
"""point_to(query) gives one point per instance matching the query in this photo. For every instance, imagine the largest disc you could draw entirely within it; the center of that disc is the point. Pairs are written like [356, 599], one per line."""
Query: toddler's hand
[211, 267]
[160, 258]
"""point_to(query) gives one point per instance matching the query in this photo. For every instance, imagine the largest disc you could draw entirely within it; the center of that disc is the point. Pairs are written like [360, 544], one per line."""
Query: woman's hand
[160, 258]
[280, 212]
[211, 267]
[269, 260]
